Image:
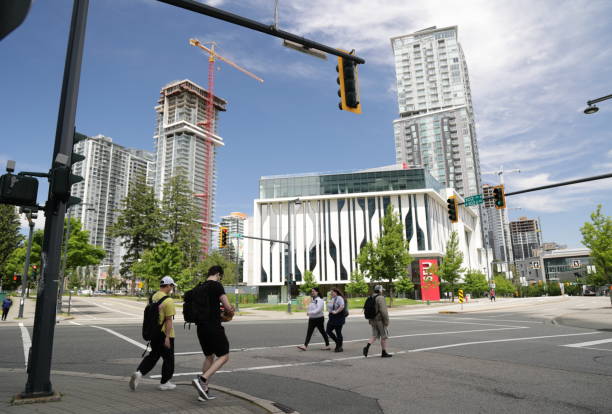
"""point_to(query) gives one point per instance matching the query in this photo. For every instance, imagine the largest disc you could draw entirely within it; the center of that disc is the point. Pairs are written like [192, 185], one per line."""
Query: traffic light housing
[12, 14]
[223, 234]
[499, 197]
[349, 85]
[453, 209]
[18, 190]
[61, 178]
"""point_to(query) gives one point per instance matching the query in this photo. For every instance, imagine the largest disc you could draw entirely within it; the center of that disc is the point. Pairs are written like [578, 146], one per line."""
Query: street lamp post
[24, 280]
[592, 108]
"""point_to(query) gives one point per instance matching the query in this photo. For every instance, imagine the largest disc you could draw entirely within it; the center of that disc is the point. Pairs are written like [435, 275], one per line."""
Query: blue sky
[533, 65]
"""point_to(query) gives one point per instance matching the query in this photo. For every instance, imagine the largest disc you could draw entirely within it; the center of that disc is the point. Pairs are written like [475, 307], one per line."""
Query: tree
[112, 282]
[404, 285]
[190, 277]
[450, 269]
[80, 251]
[137, 225]
[475, 282]
[357, 286]
[597, 236]
[10, 238]
[165, 259]
[179, 214]
[503, 286]
[388, 258]
[308, 283]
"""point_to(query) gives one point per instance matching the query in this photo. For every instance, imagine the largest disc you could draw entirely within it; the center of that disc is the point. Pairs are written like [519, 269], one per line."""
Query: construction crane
[209, 128]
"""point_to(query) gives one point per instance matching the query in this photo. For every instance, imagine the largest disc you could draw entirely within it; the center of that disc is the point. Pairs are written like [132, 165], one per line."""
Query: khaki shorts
[379, 330]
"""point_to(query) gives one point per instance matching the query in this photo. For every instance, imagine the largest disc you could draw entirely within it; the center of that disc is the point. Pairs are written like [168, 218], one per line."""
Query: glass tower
[435, 129]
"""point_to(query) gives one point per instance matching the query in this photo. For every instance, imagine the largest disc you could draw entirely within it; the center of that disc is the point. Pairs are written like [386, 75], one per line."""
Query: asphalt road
[513, 361]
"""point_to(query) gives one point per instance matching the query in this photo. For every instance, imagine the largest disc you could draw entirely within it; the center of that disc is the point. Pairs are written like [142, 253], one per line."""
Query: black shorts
[212, 339]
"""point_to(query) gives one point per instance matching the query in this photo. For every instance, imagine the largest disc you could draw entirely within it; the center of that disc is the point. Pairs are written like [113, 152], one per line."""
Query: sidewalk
[94, 393]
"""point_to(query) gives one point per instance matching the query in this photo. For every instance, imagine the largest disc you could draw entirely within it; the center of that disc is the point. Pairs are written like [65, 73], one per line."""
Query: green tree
[357, 286]
[450, 269]
[388, 258]
[165, 259]
[80, 251]
[503, 286]
[188, 278]
[597, 236]
[404, 285]
[180, 211]
[137, 225]
[475, 282]
[10, 238]
[112, 281]
[308, 283]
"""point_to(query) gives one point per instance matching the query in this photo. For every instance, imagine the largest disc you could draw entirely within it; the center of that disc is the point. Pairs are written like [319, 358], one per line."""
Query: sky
[532, 67]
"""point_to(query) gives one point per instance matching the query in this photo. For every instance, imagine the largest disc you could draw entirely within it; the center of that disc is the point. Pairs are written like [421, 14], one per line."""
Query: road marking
[125, 338]
[596, 349]
[431, 348]
[112, 310]
[454, 321]
[586, 344]
[501, 320]
[296, 364]
[75, 323]
[27, 343]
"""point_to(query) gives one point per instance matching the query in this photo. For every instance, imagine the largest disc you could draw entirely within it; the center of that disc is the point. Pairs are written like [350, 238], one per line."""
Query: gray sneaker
[201, 387]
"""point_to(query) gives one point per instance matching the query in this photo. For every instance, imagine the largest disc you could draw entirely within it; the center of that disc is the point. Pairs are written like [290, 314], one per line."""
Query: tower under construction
[185, 143]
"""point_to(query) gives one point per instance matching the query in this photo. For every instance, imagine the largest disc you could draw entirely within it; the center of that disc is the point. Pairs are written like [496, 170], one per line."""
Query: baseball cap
[379, 288]
[167, 280]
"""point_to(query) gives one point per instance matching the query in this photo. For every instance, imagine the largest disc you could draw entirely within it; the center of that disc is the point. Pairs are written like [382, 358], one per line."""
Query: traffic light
[61, 178]
[12, 14]
[499, 197]
[453, 209]
[18, 190]
[349, 85]
[223, 234]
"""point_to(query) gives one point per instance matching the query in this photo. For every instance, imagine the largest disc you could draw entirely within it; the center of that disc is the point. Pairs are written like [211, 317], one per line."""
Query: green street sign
[474, 200]
[236, 235]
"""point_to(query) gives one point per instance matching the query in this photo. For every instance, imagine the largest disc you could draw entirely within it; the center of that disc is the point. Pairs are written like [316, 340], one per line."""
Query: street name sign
[474, 200]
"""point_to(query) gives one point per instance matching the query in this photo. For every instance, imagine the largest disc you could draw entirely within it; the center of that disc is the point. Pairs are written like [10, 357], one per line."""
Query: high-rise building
[436, 129]
[526, 237]
[108, 171]
[183, 145]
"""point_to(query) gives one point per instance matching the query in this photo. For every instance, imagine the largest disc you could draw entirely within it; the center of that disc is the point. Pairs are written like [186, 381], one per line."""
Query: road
[511, 358]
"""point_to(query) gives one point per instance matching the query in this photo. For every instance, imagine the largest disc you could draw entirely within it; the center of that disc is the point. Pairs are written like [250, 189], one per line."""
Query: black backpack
[150, 324]
[196, 307]
[369, 307]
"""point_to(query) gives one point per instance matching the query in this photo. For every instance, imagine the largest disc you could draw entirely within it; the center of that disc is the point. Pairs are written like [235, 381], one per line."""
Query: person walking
[379, 323]
[315, 319]
[162, 344]
[337, 318]
[492, 295]
[211, 334]
[6, 306]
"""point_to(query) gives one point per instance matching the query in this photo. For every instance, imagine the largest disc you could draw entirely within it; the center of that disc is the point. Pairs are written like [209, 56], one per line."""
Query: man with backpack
[375, 311]
[158, 329]
[202, 305]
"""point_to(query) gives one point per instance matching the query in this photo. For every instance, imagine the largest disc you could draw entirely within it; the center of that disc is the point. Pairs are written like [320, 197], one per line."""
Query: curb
[270, 406]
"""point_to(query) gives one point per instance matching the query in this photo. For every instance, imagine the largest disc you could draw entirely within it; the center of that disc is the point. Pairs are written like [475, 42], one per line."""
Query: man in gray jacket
[379, 324]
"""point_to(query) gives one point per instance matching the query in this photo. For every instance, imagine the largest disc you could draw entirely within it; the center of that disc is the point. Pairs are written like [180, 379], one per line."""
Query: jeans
[316, 323]
[337, 337]
[159, 350]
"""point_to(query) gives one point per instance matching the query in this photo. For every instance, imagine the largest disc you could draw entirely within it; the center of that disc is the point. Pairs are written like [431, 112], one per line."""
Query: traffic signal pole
[26, 267]
[39, 361]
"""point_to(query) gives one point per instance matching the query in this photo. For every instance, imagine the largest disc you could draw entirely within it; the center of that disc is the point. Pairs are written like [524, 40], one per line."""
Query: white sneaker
[134, 380]
[167, 386]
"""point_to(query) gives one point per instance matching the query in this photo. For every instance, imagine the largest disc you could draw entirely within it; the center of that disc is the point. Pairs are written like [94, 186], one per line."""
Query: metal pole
[26, 267]
[290, 257]
[39, 362]
[64, 260]
[237, 273]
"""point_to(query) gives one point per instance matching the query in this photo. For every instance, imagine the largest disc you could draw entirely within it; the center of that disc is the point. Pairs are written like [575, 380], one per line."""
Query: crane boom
[215, 55]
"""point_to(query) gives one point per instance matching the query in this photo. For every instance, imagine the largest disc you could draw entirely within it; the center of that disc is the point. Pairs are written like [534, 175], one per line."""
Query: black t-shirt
[213, 290]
